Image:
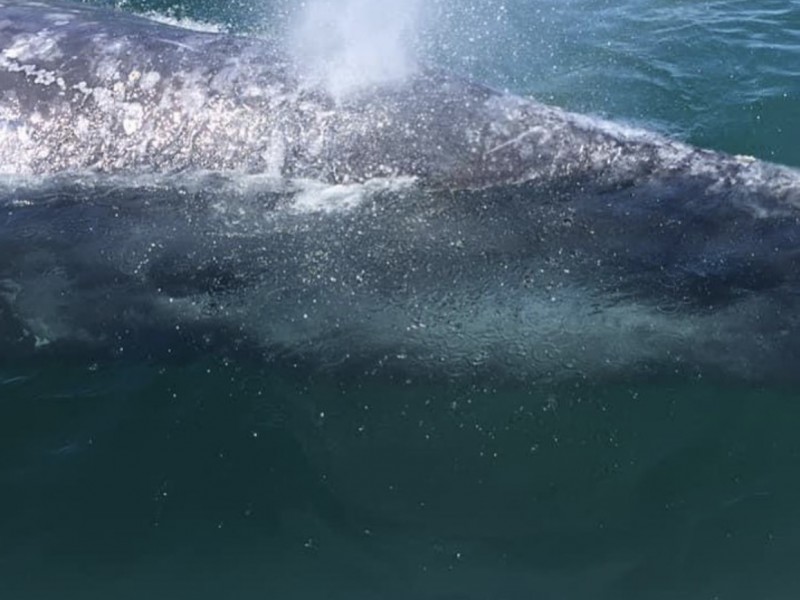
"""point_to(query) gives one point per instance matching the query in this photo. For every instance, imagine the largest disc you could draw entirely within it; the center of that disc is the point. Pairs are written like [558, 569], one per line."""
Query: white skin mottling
[59, 19]
[38, 46]
[38, 75]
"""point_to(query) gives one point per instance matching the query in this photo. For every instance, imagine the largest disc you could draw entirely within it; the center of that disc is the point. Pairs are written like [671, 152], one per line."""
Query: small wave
[317, 197]
[184, 22]
[313, 192]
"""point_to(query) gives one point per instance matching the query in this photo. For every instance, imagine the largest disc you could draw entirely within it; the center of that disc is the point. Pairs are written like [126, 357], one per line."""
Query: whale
[165, 190]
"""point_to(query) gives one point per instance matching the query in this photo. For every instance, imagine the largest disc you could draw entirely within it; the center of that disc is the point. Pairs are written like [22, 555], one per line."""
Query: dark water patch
[191, 480]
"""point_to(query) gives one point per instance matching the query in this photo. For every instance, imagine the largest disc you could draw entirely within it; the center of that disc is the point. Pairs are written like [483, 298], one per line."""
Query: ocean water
[218, 475]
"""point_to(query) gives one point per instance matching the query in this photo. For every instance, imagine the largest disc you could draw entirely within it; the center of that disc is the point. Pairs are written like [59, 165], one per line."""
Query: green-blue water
[224, 478]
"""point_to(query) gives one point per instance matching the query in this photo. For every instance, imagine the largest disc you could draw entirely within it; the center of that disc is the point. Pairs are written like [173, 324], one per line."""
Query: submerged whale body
[161, 186]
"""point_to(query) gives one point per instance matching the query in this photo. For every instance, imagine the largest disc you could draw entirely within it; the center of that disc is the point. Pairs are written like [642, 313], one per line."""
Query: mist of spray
[346, 46]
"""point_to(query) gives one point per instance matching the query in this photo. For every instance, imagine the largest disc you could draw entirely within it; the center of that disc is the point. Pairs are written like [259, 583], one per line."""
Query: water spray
[348, 46]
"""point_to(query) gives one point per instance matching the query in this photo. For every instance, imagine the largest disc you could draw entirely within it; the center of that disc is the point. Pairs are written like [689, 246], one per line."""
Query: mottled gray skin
[87, 88]
[90, 88]
[501, 233]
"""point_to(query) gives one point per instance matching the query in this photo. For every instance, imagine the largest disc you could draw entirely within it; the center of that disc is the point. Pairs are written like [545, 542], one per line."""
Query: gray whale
[161, 185]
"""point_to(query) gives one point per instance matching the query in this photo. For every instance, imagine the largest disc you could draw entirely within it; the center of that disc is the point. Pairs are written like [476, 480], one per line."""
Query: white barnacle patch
[82, 128]
[83, 88]
[107, 69]
[45, 77]
[112, 102]
[132, 116]
[193, 95]
[104, 99]
[118, 89]
[149, 80]
[24, 135]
